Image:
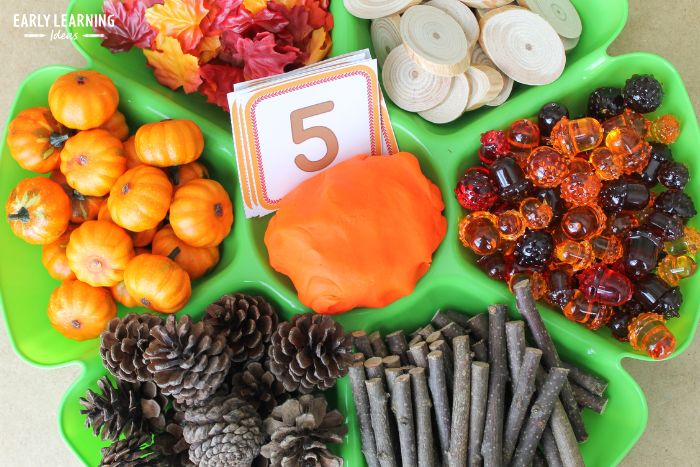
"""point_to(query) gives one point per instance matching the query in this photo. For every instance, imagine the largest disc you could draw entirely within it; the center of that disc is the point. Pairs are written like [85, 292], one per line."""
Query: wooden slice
[486, 4]
[452, 107]
[463, 15]
[385, 36]
[485, 84]
[561, 14]
[479, 57]
[522, 45]
[373, 9]
[435, 40]
[505, 92]
[409, 85]
[569, 44]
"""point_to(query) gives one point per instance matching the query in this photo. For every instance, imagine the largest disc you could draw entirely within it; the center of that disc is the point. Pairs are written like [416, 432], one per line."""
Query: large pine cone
[122, 344]
[257, 385]
[134, 451]
[248, 322]
[310, 351]
[225, 432]
[300, 429]
[188, 361]
[128, 408]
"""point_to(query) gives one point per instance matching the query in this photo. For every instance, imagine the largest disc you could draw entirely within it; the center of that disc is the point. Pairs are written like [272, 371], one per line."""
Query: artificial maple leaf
[319, 45]
[317, 13]
[171, 66]
[129, 27]
[288, 3]
[264, 20]
[229, 53]
[254, 6]
[208, 48]
[221, 14]
[298, 18]
[179, 19]
[260, 59]
[218, 81]
[146, 3]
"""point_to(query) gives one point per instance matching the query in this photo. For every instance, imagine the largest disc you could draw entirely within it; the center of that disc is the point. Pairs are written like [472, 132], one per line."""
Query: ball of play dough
[360, 234]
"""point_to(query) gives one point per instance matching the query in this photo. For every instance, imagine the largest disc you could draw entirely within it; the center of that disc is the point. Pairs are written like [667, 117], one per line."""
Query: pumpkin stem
[218, 210]
[78, 195]
[145, 301]
[173, 254]
[57, 139]
[174, 174]
[22, 215]
[80, 79]
[75, 323]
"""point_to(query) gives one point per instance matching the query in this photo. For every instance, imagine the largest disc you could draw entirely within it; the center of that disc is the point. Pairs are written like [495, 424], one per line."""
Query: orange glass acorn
[665, 129]
[478, 231]
[688, 244]
[630, 119]
[535, 213]
[546, 167]
[578, 255]
[523, 136]
[571, 137]
[648, 333]
[511, 225]
[673, 269]
[635, 152]
[538, 284]
[583, 222]
[607, 248]
[607, 165]
[593, 315]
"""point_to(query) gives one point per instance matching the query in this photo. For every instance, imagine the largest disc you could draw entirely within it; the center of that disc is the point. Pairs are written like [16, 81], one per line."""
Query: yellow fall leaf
[179, 19]
[288, 3]
[171, 66]
[254, 6]
[208, 48]
[319, 45]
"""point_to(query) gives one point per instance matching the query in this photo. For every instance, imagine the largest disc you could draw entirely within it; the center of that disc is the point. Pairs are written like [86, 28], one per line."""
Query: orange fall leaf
[172, 67]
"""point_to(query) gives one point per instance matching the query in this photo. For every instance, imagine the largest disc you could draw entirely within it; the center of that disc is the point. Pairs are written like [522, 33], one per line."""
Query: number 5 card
[289, 128]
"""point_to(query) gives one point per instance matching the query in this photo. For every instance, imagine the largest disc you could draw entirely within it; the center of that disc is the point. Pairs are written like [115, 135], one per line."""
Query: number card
[290, 127]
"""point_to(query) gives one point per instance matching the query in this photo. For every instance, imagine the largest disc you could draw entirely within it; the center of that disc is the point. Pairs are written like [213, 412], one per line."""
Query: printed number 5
[301, 134]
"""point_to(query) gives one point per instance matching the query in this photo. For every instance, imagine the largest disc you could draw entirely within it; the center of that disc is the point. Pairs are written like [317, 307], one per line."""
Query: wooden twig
[539, 414]
[569, 450]
[424, 332]
[477, 411]
[434, 337]
[459, 318]
[478, 325]
[461, 395]
[481, 351]
[539, 460]
[423, 415]
[378, 347]
[396, 342]
[591, 383]
[359, 396]
[379, 415]
[437, 382]
[402, 405]
[390, 374]
[361, 342]
[550, 356]
[589, 400]
[419, 353]
[440, 319]
[549, 448]
[452, 330]
[515, 343]
[391, 361]
[492, 445]
[524, 389]
[446, 350]
[374, 368]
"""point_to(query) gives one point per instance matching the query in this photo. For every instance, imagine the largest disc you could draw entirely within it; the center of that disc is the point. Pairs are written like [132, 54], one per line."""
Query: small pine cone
[225, 432]
[310, 351]
[128, 408]
[248, 322]
[122, 344]
[300, 429]
[188, 361]
[171, 444]
[258, 386]
[134, 451]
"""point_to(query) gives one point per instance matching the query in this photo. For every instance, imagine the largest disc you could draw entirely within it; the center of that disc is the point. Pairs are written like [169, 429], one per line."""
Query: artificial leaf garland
[207, 46]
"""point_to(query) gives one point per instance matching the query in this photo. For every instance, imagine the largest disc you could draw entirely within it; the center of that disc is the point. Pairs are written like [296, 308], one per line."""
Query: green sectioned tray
[453, 281]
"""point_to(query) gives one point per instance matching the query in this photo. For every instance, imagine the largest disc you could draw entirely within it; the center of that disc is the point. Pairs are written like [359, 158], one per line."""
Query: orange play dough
[360, 234]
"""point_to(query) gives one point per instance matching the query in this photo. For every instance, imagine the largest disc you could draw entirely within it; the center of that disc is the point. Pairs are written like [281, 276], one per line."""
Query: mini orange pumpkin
[196, 261]
[140, 198]
[92, 161]
[132, 160]
[38, 210]
[121, 295]
[83, 99]
[83, 208]
[158, 283]
[80, 311]
[98, 252]
[145, 238]
[116, 125]
[201, 213]
[169, 142]
[35, 139]
[103, 213]
[54, 259]
[179, 175]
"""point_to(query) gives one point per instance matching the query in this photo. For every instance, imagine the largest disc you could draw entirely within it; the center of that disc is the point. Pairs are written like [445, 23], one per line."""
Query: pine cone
[188, 361]
[300, 429]
[248, 322]
[310, 351]
[171, 444]
[122, 344]
[258, 386]
[225, 432]
[134, 451]
[128, 408]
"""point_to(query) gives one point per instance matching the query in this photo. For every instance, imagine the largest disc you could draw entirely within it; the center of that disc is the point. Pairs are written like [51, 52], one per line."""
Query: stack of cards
[289, 127]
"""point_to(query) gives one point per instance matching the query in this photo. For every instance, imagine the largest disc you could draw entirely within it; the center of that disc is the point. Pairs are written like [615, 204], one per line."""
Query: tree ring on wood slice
[479, 57]
[385, 36]
[452, 107]
[486, 4]
[373, 9]
[485, 83]
[523, 45]
[410, 86]
[463, 15]
[569, 44]
[505, 92]
[561, 14]
[435, 40]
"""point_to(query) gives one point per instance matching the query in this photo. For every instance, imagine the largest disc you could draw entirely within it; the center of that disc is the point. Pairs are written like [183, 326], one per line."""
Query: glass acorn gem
[511, 224]
[496, 266]
[665, 129]
[546, 167]
[673, 269]
[538, 284]
[607, 165]
[607, 248]
[510, 179]
[601, 284]
[642, 250]
[494, 144]
[535, 213]
[523, 135]
[578, 255]
[688, 244]
[630, 119]
[658, 297]
[571, 137]
[622, 222]
[593, 315]
[583, 222]
[560, 287]
[648, 333]
[580, 188]
[623, 140]
[478, 231]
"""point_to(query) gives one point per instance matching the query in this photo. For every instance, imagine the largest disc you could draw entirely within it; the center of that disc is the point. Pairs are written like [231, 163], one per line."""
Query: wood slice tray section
[373, 9]
[463, 15]
[385, 36]
[453, 106]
